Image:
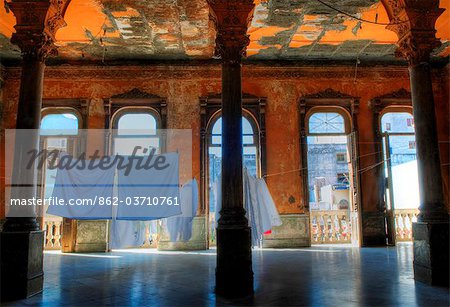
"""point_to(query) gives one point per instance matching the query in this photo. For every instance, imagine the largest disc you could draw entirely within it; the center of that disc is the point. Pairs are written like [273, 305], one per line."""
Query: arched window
[326, 123]
[251, 161]
[250, 150]
[249, 141]
[59, 131]
[329, 174]
[397, 122]
[66, 123]
[133, 128]
[399, 147]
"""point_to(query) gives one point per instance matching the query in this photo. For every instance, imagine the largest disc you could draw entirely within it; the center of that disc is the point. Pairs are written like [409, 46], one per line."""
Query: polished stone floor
[316, 276]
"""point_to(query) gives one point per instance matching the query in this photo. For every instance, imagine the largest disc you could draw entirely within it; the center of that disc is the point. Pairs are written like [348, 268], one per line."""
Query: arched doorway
[132, 127]
[402, 188]
[59, 131]
[330, 186]
[251, 161]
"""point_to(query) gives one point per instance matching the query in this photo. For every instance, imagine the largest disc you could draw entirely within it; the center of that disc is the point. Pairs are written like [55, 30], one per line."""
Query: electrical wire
[360, 19]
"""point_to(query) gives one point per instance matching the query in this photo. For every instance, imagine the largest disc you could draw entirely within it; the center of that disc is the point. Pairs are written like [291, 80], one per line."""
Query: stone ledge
[293, 233]
[197, 242]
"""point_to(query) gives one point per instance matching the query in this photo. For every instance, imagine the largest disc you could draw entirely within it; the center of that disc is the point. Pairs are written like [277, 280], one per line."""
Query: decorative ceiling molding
[98, 73]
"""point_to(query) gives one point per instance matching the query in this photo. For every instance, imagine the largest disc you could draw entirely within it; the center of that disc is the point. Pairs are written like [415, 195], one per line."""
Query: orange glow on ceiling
[443, 22]
[368, 31]
[93, 20]
[87, 19]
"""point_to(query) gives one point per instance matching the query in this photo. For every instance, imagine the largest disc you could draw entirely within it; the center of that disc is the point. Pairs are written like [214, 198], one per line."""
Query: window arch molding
[138, 100]
[78, 107]
[254, 109]
[397, 101]
[245, 113]
[134, 101]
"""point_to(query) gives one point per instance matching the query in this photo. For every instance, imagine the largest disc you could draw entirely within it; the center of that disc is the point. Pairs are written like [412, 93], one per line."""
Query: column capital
[231, 19]
[36, 26]
[414, 23]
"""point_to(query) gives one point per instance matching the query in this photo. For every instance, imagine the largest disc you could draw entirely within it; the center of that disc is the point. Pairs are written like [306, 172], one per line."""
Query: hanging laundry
[252, 208]
[266, 199]
[261, 212]
[217, 189]
[180, 227]
[126, 234]
[83, 187]
[149, 193]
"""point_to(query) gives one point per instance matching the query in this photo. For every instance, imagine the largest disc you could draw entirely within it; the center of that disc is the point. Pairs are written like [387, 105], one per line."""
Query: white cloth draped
[180, 227]
[83, 184]
[261, 211]
[148, 194]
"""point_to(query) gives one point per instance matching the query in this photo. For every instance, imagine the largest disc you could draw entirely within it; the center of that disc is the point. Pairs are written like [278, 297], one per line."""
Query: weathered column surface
[234, 275]
[21, 240]
[431, 232]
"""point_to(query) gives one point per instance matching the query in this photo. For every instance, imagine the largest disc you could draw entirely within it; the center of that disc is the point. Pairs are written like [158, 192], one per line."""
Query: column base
[198, 240]
[431, 253]
[22, 273]
[373, 229]
[234, 275]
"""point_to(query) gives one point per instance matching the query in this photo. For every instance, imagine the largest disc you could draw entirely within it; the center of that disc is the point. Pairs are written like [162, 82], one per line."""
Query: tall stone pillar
[21, 240]
[234, 275]
[431, 232]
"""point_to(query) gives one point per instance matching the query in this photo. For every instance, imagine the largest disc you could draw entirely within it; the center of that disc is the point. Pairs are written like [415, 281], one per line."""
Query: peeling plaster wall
[182, 86]
[280, 29]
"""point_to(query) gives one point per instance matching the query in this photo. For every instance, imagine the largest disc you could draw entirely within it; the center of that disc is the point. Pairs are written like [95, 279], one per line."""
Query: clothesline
[361, 171]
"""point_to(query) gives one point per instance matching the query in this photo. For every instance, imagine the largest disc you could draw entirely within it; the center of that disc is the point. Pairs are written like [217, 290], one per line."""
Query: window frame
[123, 111]
[394, 109]
[332, 109]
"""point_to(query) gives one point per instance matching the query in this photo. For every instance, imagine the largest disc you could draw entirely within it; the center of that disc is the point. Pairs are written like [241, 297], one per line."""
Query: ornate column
[234, 275]
[431, 233]
[21, 239]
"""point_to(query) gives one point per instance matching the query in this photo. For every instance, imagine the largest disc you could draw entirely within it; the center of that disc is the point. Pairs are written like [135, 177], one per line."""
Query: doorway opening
[251, 158]
[132, 127]
[59, 131]
[402, 185]
[330, 161]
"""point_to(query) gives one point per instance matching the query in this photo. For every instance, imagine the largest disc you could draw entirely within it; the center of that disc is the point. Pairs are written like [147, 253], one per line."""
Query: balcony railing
[330, 226]
[53, 232]
[403, 223]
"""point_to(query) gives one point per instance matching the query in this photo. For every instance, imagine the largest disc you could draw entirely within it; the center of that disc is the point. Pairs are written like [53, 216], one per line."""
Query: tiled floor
[316, 276]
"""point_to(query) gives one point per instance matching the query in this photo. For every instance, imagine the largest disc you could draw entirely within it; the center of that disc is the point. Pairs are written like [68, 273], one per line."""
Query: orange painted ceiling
[280, 29]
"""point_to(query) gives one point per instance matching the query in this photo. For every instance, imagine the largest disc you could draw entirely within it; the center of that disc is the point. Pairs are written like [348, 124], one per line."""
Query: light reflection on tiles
[317, 276]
